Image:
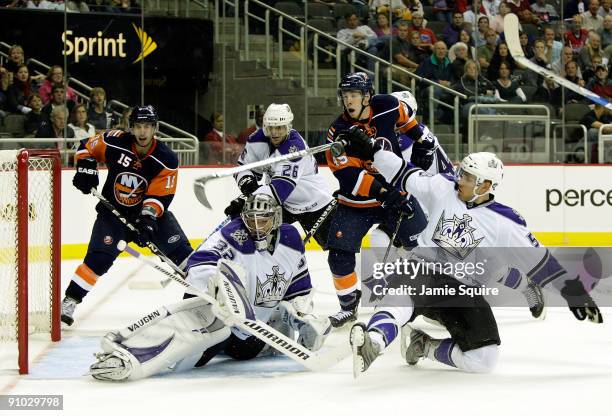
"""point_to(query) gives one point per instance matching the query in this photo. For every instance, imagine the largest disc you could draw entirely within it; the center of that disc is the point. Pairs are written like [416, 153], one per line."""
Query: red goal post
[30, 248]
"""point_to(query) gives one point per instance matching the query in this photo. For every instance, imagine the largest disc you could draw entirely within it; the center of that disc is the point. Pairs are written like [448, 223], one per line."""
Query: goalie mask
[261, 216]
[277, 122]
[484, 166]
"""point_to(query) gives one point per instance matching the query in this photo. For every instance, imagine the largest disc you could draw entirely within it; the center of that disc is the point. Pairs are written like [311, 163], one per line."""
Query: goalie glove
[312, 329]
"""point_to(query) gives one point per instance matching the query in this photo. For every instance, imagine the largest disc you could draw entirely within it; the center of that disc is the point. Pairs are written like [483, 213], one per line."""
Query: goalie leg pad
[172, 342]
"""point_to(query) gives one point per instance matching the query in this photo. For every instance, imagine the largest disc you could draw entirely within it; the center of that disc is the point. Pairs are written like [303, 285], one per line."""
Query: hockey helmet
[262, 216]
[485, 166]
[407, 98]
[356, 81]
[144, 114]
[277, 115]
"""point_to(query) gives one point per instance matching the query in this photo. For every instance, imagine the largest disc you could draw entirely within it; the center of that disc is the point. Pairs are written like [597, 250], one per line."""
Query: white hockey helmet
[407, 98]
[262, 216]
[485, 166]
[277, 115]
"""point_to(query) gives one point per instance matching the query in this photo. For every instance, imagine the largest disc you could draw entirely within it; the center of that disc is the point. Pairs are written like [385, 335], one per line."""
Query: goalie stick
[288, 347]
[200, 183]
[511, 32]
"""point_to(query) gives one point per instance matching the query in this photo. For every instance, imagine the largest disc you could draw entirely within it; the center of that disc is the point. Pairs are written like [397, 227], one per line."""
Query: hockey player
[365, 198]
[141, 182]
[274, 286]
[464, 216]
[295, 184]
[431, 157]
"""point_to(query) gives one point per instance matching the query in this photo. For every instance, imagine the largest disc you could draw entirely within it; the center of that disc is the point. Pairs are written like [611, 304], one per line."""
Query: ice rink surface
[558, 366]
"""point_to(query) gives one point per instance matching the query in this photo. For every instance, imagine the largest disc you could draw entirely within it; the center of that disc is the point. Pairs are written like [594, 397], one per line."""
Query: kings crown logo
[240, 236]
[456, 235]
[271, 291]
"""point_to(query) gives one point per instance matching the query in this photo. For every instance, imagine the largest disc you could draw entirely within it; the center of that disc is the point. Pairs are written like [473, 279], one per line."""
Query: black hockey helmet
[356, 81]
[144, 114]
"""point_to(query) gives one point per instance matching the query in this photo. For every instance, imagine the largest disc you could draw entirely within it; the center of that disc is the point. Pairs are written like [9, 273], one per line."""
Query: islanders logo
[456, 235]
[271, 291]
[130, 188]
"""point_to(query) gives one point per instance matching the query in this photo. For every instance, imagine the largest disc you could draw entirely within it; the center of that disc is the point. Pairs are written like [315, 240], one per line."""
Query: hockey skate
[414, 344]
[347, 313]
[364, 350]
[535, 300]
[68, 307]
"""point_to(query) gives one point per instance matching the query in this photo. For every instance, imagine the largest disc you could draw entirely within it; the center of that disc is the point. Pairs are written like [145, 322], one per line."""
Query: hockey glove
[396, 200]
[359, 144]
[248, 184]
[146, 224]
[86, 176]
[580, 302]
[234, 209]
[423, 154]
[312, 329]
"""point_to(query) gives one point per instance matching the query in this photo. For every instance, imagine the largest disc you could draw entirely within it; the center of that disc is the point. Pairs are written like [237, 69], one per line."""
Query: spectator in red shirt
[576, 36]
[214, 139]
[20, 91]
[428, 37]
[522, 8]
[244, 134]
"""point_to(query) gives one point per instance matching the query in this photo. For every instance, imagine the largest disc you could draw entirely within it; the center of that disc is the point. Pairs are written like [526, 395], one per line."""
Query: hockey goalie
[256, 269]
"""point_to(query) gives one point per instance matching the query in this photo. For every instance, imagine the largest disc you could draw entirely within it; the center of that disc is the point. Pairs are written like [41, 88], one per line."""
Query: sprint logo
[107, 47]
[147, 44]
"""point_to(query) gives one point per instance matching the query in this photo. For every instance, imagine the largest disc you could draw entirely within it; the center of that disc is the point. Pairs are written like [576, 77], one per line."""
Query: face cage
[259, 225]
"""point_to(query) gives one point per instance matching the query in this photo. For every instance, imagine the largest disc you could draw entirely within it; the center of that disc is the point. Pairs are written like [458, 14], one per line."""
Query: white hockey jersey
[295, 183]
[270, 277]
[460, 233]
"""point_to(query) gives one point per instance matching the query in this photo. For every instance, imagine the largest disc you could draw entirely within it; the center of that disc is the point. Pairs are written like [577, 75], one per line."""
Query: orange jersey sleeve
[405, 120]
[94, 147]
[161, 190]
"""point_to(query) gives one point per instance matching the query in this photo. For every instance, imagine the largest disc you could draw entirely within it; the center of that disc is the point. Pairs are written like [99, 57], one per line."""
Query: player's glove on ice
[396, 200]
[580, 302]
[86, 176]
[248, 184]
[146, 224]
[234, 209]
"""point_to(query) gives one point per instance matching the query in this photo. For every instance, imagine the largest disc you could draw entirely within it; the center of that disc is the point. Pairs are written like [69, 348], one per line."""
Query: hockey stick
[167, 280]
[150, 245]
[397, 227]
[298, 353]
[331, 207]
[511, 32]
[200, 183]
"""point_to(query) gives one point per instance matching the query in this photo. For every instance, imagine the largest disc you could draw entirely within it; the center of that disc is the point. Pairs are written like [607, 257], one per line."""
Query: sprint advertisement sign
[112, 44]
[109, 47]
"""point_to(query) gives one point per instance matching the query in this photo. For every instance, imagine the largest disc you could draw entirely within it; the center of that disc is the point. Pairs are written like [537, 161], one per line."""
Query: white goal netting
[39, 238]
